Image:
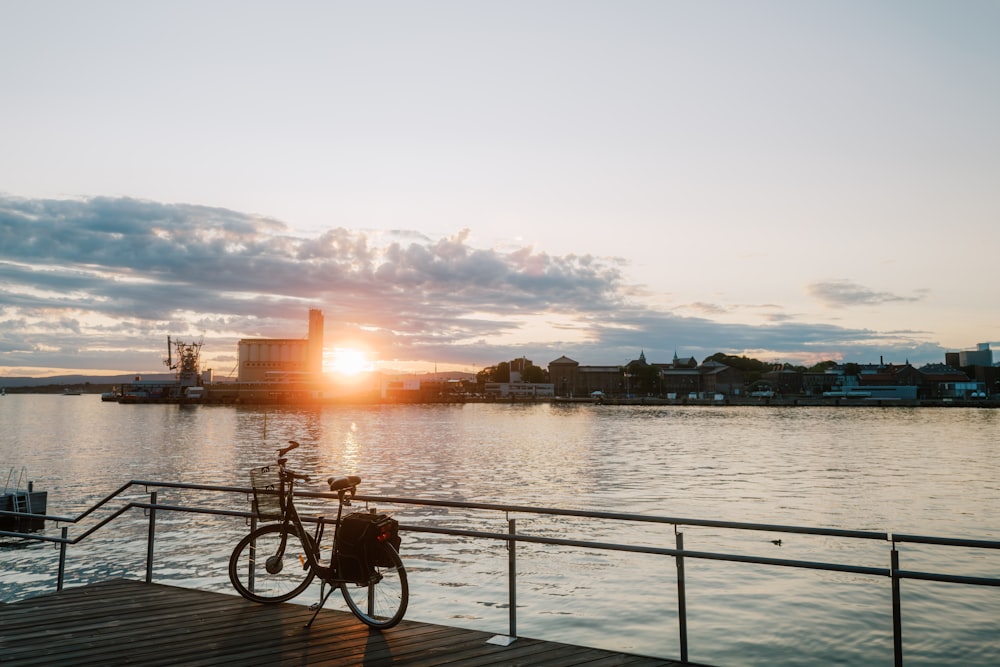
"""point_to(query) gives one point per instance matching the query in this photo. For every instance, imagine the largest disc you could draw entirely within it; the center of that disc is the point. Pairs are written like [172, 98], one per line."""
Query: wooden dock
[124, 622]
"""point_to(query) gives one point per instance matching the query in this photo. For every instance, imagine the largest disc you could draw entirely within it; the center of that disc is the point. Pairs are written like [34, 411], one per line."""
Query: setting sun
[348, 361]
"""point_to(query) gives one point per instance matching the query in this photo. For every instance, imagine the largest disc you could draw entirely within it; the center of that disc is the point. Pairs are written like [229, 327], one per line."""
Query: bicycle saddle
[343, 482]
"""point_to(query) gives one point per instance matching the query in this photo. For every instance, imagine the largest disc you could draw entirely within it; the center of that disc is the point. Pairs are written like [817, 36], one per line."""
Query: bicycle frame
[290, 517]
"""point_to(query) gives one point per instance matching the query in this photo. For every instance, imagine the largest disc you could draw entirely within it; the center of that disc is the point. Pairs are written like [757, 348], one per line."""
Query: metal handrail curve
[512, 537]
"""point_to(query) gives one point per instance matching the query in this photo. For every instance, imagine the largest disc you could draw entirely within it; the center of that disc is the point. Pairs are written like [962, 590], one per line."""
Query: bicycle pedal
[315, 605]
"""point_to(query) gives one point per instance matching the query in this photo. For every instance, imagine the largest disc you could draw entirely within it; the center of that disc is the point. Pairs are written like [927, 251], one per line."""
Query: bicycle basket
[267, 492]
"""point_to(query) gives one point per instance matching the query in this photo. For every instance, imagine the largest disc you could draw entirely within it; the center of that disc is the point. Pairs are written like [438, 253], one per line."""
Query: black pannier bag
[359, 544]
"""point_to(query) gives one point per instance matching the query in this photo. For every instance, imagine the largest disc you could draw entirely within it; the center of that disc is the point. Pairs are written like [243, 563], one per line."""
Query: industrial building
[283, 359]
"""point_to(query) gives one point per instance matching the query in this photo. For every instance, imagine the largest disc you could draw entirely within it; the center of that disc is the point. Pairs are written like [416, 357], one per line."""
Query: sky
[457, 183]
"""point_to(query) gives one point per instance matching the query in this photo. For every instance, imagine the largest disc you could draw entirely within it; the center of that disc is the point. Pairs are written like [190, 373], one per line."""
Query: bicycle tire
[260, 578]
[381, 604]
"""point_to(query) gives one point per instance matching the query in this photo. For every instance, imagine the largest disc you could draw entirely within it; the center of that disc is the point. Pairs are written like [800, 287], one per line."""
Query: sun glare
[349, 361]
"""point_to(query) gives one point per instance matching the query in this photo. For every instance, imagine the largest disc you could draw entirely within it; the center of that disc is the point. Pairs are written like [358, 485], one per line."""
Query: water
[924, 471]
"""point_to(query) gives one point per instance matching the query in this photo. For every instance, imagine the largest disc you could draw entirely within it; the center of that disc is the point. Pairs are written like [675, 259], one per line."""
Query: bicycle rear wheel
[260, 574]
[381, 603]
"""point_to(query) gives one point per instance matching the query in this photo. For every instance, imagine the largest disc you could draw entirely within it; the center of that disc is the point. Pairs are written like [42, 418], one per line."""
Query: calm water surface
[924, 471]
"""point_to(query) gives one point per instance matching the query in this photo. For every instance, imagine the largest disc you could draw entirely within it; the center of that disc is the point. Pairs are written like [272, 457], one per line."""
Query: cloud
[842, 293]
[99, 283]
[708, 308]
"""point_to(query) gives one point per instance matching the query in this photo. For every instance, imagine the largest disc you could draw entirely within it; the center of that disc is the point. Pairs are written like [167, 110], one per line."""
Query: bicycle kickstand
[323, 597]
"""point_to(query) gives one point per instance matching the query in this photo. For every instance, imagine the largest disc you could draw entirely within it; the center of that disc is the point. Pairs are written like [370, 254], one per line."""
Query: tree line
[753, 369]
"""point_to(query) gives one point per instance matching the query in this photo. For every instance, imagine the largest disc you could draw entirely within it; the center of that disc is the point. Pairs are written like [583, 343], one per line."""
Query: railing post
[897, 609]
[512, 578]
[151, 538]
[251, 576]
[62, 559]
[682, 623]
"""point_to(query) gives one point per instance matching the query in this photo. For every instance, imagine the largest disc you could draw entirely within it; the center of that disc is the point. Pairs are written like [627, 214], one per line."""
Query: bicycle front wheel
[382, 602]
[271, 564]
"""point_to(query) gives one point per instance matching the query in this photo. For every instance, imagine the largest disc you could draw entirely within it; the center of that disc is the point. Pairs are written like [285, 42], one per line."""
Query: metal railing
[512, 538]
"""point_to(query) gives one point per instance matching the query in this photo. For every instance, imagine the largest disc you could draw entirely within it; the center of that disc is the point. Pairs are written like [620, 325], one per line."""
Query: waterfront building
[943, 381]
[784, 381]
[685, 378]
[283, 359]
[523, 390]
[981, 356]
[681, 377]
[816, 383]
[571, 380]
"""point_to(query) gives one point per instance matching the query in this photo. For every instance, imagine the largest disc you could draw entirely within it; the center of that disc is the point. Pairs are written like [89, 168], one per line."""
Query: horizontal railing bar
[194, 510]
[659, 551]
[235, 513]
[527, 509]
[947, 541]
[31, 536]
[197, 487]
[949, 578]
[835, 567]
[40, 517]
[617, 516]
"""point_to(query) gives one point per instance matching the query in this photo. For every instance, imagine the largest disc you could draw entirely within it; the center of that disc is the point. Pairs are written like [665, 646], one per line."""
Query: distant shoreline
[91, 389]
[806, 401]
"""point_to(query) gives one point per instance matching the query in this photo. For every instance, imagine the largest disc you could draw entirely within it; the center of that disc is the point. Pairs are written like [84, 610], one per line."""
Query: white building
[981, 356]
[520, 389]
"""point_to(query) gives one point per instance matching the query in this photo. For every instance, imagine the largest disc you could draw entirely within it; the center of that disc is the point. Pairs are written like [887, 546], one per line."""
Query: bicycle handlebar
[291, 445]
[336, 484]
[282, 460]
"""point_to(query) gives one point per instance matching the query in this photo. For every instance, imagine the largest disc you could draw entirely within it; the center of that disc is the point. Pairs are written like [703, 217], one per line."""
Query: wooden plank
[129, 622]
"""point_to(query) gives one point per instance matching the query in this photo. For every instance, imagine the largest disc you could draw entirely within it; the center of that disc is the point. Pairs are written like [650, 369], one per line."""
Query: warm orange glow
[348, 361]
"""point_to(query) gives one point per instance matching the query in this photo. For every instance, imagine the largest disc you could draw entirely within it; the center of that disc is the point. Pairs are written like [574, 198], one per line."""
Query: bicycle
[278, 561]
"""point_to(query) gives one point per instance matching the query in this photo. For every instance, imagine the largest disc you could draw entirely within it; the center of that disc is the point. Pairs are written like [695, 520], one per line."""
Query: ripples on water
[924, 471]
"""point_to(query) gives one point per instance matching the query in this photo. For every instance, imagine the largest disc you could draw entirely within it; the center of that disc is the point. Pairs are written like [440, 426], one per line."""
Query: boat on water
[71, 392]
[14, 498]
